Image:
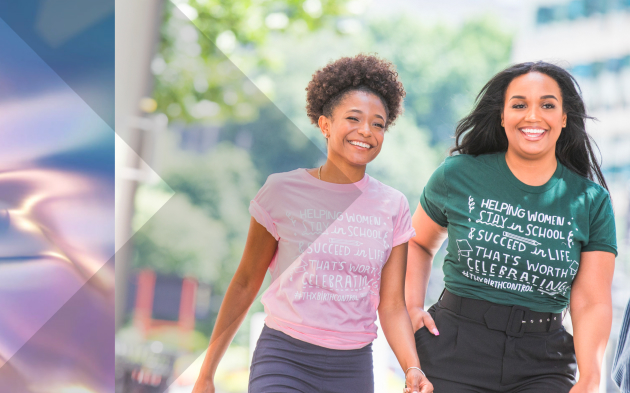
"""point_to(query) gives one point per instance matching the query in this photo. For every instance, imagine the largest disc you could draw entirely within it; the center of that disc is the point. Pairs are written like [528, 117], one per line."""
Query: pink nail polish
[435, 331]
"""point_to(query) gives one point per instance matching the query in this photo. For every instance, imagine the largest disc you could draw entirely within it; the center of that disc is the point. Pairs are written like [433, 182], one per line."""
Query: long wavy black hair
[481, 132]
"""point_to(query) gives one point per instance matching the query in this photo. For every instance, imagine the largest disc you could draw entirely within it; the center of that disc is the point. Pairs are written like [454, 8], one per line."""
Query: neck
[339, 173]
[532, 171]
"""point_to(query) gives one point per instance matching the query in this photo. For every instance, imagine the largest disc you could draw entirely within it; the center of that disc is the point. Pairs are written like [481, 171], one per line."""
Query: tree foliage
[442, 67]
[196, 81]
[201, 230]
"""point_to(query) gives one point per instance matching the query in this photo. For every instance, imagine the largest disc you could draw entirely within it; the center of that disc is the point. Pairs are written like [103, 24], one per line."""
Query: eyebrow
[542, 98]
[358, 111]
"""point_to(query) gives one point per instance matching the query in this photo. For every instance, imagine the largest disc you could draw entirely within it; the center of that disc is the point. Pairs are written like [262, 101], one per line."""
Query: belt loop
[458, 306]
[517, 321]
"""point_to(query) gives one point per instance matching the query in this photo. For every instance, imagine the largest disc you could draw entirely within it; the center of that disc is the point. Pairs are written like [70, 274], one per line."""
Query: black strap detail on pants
[513, 320]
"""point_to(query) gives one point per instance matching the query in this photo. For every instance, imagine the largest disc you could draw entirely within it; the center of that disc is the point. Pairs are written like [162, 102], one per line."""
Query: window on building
[576, 9]
[544, 15]
[594, 7]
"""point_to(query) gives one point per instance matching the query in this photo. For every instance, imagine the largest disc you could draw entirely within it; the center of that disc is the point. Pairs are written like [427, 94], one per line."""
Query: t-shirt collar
[505, 169]
[334, 186]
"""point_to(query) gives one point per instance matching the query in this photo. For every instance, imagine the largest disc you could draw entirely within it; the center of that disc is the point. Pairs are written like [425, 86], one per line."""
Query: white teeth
[532, 130]
[360, 144]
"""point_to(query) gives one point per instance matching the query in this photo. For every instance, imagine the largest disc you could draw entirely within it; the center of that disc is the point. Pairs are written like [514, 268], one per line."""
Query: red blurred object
[143, 312]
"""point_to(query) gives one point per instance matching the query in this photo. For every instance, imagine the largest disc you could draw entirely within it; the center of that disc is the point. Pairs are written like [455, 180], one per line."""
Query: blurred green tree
[196, 81]
[442, 67]
[201, 230]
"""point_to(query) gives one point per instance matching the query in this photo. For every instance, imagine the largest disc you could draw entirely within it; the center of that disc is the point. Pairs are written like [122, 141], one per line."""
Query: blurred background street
[210, 100]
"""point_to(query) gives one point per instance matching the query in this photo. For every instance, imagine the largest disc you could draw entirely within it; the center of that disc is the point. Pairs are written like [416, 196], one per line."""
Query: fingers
[416, 315]
[427, 387]
[430, 324]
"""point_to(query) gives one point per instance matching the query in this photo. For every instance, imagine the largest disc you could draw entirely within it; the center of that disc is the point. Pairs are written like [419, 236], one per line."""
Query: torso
[510, 243]
[333, 241]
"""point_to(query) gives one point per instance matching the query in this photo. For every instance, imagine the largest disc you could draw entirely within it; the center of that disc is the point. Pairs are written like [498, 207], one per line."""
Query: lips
[533, 133]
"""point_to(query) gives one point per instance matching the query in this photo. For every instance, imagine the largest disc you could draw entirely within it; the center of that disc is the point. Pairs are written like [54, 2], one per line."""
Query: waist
[513, 320]
[323, 336]
[269, 333]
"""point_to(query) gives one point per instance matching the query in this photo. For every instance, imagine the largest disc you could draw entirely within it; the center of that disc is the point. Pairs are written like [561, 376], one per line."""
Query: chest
[516, 236]
[354, 236]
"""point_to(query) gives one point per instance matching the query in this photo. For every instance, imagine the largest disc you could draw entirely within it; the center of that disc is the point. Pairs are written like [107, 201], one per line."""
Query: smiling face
[532, 116]
[356, 129]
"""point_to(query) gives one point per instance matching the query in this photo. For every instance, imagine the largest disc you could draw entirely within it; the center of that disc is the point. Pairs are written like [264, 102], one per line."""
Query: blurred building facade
[591, 38]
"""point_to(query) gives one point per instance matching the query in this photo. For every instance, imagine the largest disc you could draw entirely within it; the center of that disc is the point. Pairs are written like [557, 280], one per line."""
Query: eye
[548, 105]
[518, 106]
[379, 125]
[352, 118]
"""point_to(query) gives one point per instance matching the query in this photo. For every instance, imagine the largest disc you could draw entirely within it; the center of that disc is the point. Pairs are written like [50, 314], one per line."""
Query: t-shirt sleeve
[602, 233]
[262, 204]
[403, 231]
[434, 196]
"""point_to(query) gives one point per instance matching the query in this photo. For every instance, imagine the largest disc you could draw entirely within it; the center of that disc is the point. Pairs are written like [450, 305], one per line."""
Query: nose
[364, 130]
[532, 114]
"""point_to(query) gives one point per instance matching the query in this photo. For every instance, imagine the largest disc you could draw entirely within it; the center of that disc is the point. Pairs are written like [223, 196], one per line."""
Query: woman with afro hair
[335, 243]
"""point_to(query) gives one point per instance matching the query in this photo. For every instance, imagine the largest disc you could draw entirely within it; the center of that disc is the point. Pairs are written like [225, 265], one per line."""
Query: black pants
[469, 357]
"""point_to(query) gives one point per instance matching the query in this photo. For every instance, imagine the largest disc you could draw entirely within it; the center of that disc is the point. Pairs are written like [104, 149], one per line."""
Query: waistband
[515, 321]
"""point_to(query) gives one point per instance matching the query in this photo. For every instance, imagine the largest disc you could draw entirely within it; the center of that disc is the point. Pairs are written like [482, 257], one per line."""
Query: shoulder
[283, 179]
[467, 162]
[461, 167]
[586, 188]
[388, 196]
[385, 190]
[281, 185]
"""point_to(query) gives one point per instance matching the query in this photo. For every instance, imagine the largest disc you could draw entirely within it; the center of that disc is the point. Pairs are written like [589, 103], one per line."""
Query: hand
[417, 383]
[203, 385]
[421, 318]
[583, 386]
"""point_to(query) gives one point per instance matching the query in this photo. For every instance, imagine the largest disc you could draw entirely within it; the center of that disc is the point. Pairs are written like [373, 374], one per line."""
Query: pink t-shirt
[333, 241]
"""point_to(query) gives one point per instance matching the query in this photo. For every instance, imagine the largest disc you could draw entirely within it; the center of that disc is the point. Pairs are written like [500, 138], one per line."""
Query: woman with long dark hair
[531, 232]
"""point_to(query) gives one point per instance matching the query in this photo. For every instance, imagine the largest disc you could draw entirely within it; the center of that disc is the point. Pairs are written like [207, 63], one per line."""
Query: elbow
[246, 283]
[414, 245]
[580, 303]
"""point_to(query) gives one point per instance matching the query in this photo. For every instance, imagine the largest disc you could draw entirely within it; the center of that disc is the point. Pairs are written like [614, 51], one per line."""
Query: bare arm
[422, 248]
[591, 313]
[395, 320]
[259, 250]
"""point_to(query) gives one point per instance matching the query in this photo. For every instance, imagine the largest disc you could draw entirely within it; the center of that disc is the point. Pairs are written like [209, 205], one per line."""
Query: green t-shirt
[511, 243]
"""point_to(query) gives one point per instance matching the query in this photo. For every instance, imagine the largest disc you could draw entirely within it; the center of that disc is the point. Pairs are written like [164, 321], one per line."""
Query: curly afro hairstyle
[363, 73]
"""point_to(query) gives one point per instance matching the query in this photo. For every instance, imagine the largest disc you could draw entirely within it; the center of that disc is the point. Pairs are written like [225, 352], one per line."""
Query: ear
[564, 120]
[502, 119]
[324, 125]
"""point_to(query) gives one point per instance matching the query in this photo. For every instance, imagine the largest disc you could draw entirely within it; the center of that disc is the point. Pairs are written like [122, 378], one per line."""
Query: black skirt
[283, 364]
